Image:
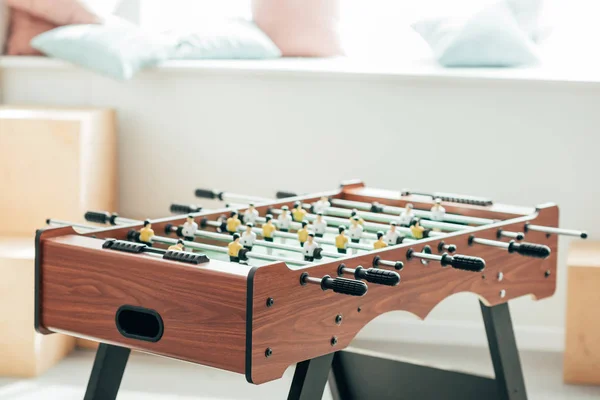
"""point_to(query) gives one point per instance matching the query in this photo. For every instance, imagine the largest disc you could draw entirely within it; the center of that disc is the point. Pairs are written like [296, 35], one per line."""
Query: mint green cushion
[236, 39]
[116, 50]
[489, 38]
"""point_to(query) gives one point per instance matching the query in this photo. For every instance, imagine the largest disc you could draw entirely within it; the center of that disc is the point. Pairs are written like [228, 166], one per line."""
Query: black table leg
[504, 353]
[107, 372]
[357, 376]
[310, 378]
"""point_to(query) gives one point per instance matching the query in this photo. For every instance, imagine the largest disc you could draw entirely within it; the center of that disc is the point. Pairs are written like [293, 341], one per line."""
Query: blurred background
[155, 98]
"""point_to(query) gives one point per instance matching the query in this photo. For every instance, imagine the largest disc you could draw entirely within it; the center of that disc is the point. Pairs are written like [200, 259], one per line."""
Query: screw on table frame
[109, 366]
[357, 376]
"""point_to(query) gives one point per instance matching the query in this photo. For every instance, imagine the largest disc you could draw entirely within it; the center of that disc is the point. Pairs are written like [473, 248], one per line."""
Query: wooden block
[55, 163]
[87, 344]
[24, 353]
[582, 348]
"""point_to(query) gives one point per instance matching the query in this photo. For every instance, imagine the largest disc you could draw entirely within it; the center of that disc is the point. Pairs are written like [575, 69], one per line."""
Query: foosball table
[263, 284]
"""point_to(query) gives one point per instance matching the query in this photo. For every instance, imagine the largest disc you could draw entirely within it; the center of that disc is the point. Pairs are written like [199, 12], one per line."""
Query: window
[187, 14]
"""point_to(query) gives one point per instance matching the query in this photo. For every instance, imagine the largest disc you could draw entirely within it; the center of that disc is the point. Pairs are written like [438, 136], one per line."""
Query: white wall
[518, 142]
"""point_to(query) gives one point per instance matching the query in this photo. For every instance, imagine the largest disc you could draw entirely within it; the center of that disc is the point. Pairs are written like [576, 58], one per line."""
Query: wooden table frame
[216, 314]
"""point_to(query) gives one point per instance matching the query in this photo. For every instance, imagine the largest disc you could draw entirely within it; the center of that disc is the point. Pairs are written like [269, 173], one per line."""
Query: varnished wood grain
[203, 307]
[301, 322]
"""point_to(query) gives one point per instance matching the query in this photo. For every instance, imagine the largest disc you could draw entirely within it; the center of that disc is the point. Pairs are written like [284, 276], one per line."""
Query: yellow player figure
[303, 233]
[233, 222]
[268, 228]
[379, 243]
[146, 233]
[234, 248]
[353, 214]
[178, 246]
[298, 213]
[341, 240]
[416, 229]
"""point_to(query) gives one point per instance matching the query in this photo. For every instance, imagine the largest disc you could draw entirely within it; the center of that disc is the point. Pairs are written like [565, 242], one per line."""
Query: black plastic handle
[184, 208]
[317, 254]
[209, 194]
[378, 276]
[376, 207]
[350, 287]
[99, 217]
[529, 249]
[465, 263]
[282, 194]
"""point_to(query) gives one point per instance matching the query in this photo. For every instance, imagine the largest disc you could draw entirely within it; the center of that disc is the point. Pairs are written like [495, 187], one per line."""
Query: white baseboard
[454, 333]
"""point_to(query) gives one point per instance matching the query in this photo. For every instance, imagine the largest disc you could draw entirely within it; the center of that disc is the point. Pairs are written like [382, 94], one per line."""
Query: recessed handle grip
[99, 217]
[350, 287]
[282, 194]
[209, 194]
[465, 263]
[378, 276]
[184, 208]
[529, 249]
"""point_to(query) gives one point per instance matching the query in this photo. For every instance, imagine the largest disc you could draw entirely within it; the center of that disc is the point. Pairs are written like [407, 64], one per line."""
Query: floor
[153, 378]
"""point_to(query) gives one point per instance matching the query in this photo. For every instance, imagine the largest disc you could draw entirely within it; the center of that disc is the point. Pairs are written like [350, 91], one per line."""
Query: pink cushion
[300, 28]
[23, 28]
[59, 12]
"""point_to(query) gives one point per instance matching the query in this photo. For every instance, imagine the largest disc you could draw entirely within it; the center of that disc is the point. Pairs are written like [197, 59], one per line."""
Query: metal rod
[359, 205]
[332, 228]
[367, 225]
[288, 235]
[58, 222]
[557, 231]
[427, 256]
[388, 263]
[344, 212]
[224, 250]
[494, 243]
[191, 245]
[126, 221]
[310, 279]
[511, 235]
[263, 243]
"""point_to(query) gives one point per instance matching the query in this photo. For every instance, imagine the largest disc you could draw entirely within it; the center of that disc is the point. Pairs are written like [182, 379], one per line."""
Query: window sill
[342, 67]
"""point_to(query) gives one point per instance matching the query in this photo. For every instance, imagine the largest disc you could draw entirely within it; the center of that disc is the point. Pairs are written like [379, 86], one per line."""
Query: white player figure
[250, 214]
[248, 237]
[407, 215]
[321, 205]
[309, 247]
[284, 221]
[438, 212]
[392, 235]
[319, 225]
[189, 228]
[355, 231]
